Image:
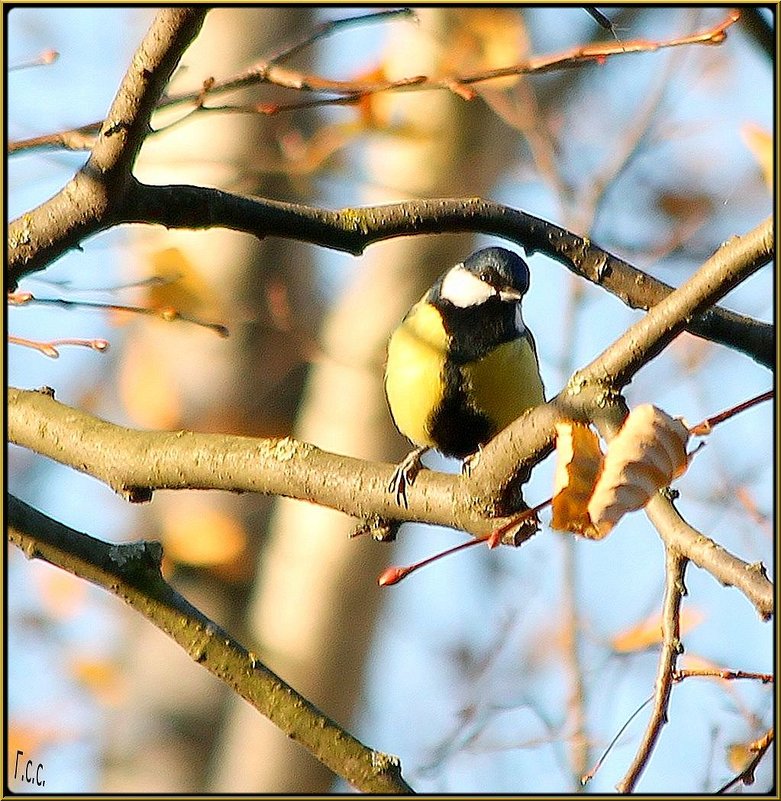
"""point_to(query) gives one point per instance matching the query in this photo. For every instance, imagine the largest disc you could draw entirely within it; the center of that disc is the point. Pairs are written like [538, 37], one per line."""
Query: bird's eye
[485, 276]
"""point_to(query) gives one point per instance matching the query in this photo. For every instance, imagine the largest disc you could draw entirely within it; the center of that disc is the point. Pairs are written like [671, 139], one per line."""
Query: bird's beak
[510, 293]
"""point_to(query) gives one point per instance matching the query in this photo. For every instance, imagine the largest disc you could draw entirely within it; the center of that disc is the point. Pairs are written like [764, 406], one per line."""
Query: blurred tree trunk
[180, 376]
[316, 601]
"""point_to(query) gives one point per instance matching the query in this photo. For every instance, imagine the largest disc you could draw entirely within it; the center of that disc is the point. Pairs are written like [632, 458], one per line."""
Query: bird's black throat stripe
[456, 427]
[475, 331]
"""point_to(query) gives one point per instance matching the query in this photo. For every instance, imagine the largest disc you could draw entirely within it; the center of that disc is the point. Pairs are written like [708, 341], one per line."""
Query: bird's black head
[479, 302]
[500, 268]
[488, 273]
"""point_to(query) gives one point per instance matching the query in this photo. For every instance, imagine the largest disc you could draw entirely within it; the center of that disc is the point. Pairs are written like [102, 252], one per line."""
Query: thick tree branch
[131, 571]
[353, 229]
[730, 265]
[750, 578]
[127, 125]
[88, 203]
[135, 463]
[592, 393]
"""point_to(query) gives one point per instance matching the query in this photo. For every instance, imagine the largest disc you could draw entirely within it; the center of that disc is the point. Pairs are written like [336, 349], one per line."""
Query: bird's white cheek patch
[463, 288]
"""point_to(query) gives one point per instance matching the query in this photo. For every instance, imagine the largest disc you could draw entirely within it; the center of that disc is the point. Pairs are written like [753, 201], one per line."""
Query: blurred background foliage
[502, 671]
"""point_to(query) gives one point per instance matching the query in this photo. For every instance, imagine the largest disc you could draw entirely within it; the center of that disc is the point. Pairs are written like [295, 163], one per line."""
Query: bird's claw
[404, 476]
[470, 461]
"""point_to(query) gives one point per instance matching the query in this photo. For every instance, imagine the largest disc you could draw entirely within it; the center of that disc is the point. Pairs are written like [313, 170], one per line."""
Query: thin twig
[49, 348]
[333, 26]
[42, 59]
[587, 777]
[706, 426]
[167, 313]
[349, 91]
[746, 776]
[727, 675]
[675, 569]
[269, 72]
[602, 21]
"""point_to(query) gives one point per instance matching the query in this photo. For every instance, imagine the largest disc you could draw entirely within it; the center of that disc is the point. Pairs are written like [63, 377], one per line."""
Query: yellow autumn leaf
[648, 633]
[147, 389]
[181, 286]
[739, 755]
[760, 143]
[578, 467]
[202, 536]
[647, 454]
[62, 594]
[101, 677]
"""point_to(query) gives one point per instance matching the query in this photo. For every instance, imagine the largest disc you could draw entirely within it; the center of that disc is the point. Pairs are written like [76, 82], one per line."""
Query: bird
[462, 365]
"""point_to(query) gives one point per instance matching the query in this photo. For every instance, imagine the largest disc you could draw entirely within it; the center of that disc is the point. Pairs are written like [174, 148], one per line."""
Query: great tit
[462, 365]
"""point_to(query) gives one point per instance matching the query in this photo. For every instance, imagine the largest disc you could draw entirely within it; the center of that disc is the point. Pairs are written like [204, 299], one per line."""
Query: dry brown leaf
[647, 454]
[648, 633]
[578, 467]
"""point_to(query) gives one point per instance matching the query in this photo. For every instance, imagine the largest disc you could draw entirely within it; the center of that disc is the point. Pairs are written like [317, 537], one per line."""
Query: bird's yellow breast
[495, 389]
[414, 379]
[505, 383]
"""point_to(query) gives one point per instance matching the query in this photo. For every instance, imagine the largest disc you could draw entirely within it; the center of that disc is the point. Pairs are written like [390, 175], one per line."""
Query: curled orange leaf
[647, 454]
[578, 467]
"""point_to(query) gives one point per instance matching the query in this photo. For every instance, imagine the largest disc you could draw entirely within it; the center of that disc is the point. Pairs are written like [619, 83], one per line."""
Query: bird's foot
[404, 475]
[470, 461]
